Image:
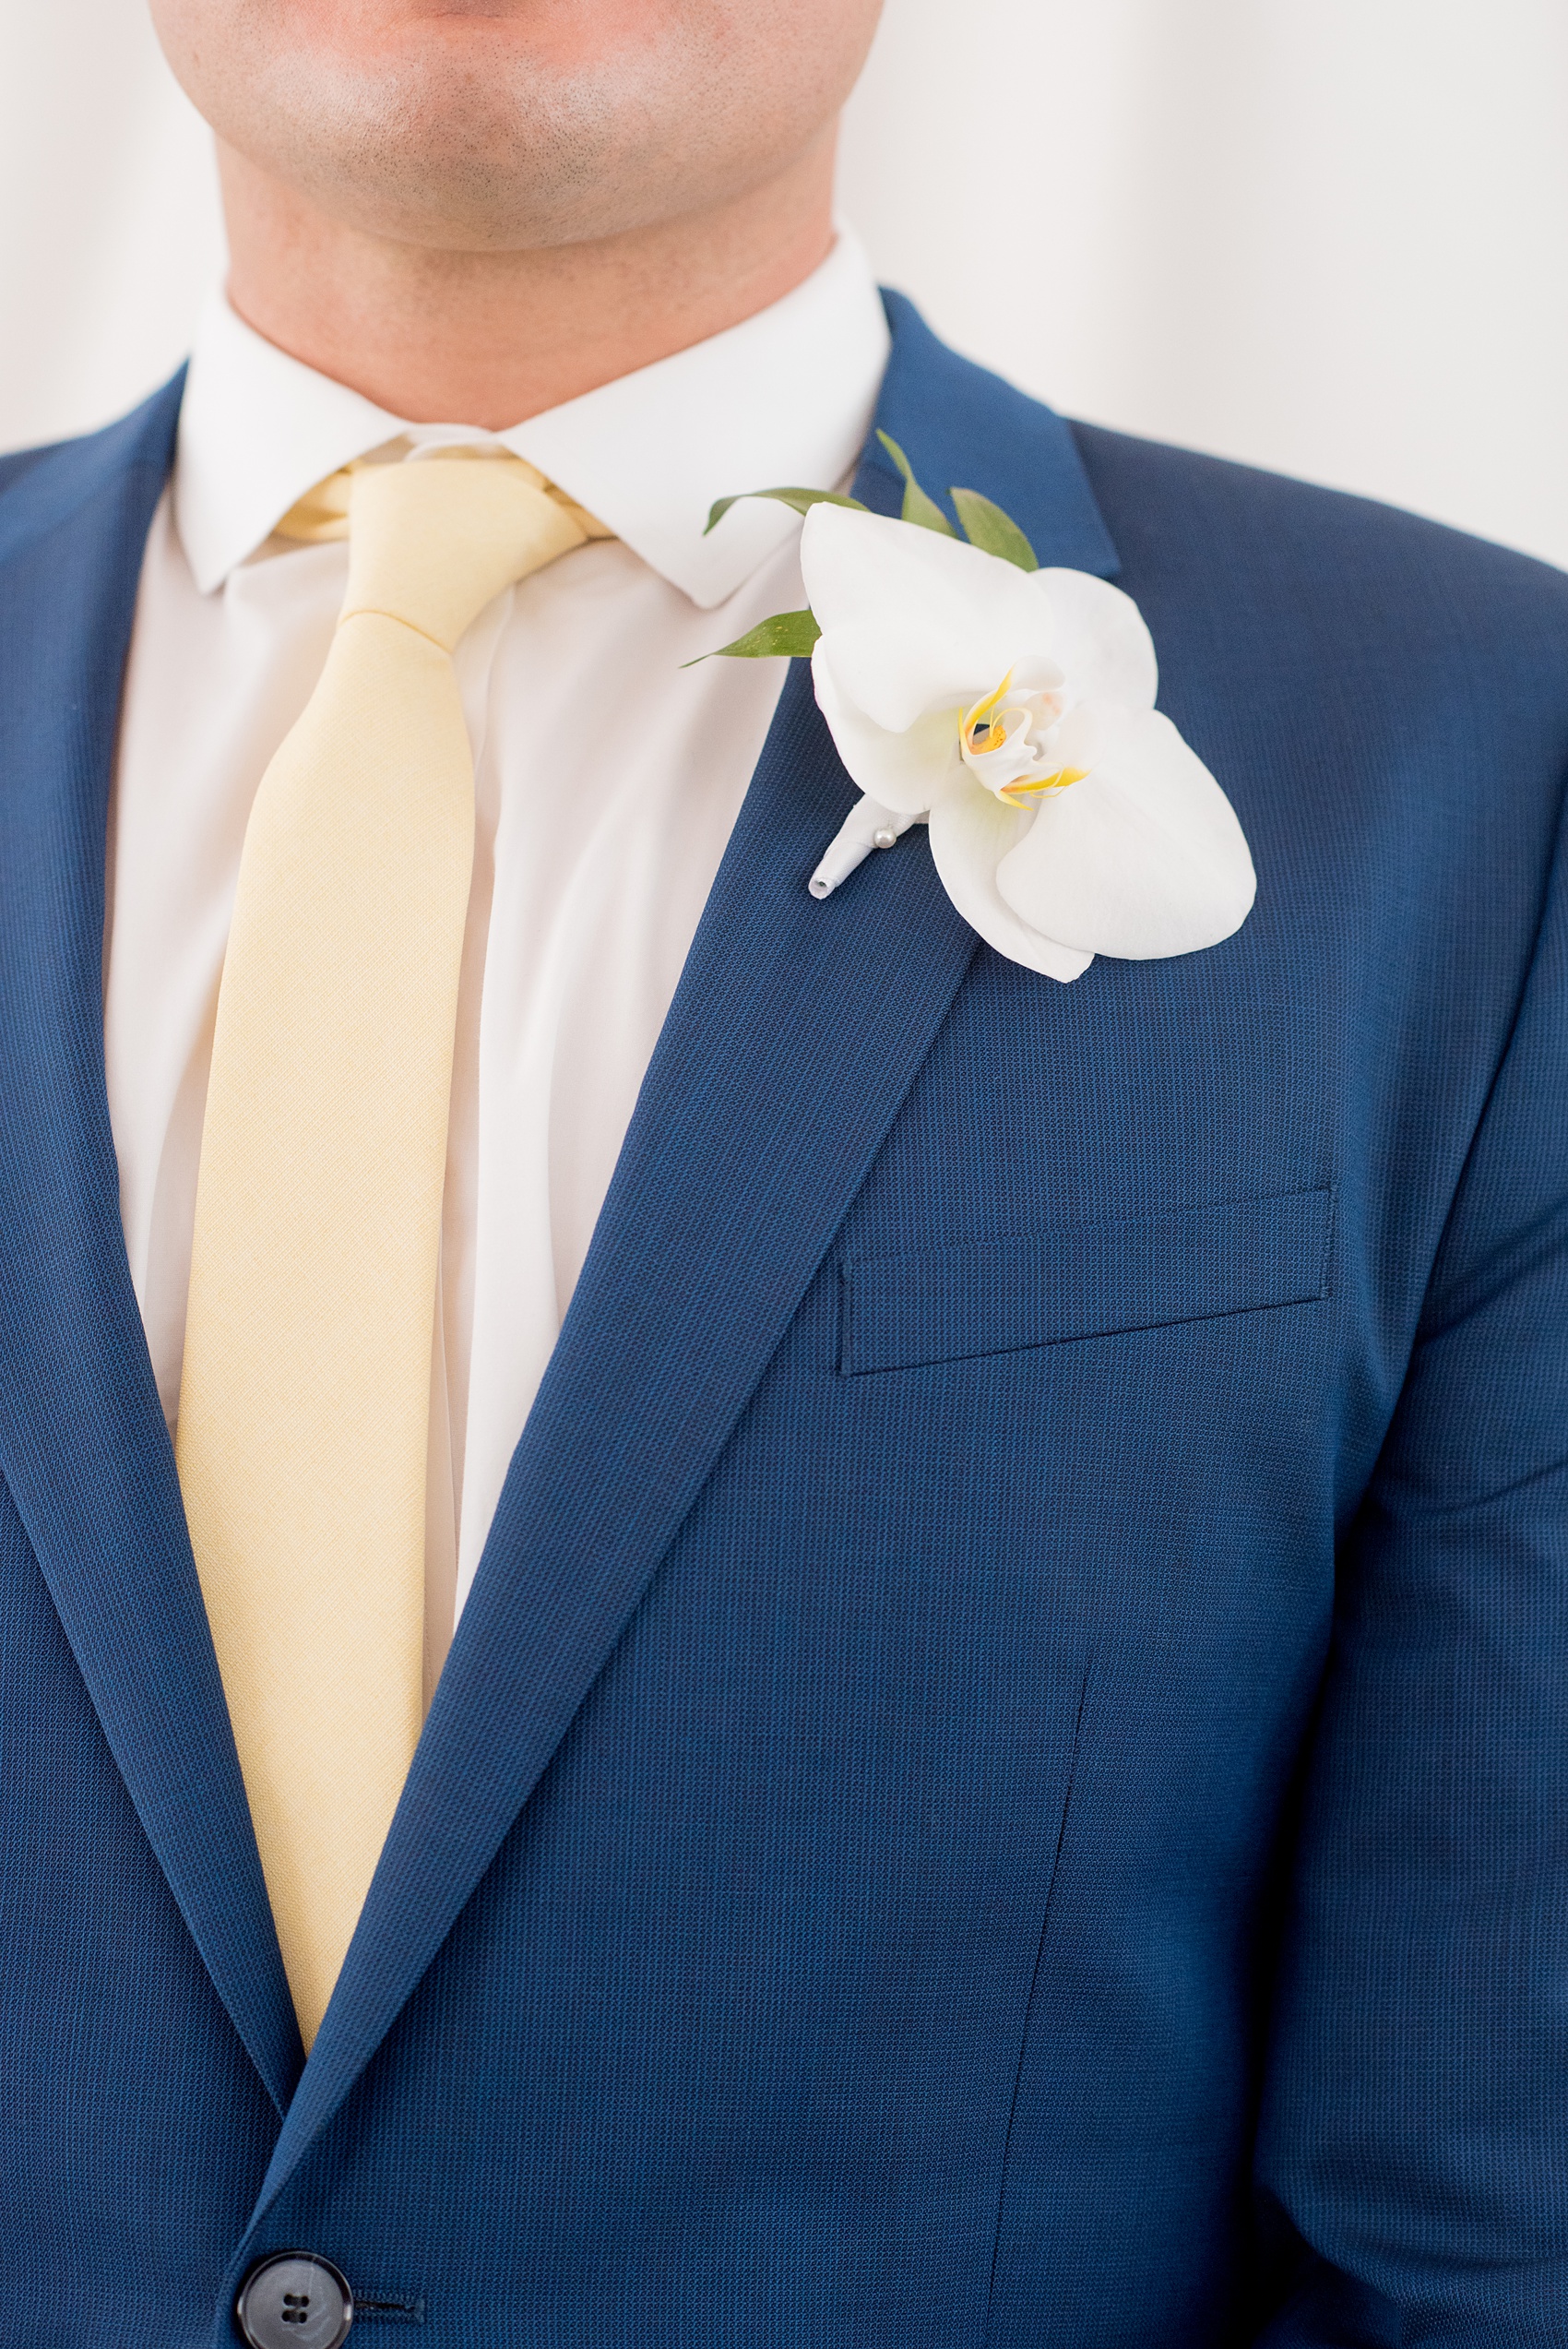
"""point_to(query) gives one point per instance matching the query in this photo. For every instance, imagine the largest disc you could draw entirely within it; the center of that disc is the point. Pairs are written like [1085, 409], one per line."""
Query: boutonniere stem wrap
[1011, 708]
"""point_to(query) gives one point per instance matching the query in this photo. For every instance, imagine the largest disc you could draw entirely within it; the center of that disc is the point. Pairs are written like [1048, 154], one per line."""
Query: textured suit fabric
[1003, 1779]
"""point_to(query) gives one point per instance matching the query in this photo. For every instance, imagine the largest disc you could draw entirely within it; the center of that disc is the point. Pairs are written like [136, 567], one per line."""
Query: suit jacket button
[293, 2300]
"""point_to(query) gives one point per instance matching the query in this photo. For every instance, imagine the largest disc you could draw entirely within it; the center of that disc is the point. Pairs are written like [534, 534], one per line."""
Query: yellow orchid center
[1016, 794]
[980, 735]
[1002, 747]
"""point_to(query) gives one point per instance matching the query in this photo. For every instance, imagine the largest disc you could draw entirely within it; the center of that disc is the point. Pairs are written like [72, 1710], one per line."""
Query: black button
[295, 2301]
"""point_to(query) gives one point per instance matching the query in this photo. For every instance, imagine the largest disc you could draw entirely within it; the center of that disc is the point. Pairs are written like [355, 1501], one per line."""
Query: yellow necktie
[305, 1396]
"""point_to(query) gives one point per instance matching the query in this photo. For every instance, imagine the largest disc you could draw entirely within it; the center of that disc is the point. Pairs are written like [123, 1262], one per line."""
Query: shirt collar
[786, 397]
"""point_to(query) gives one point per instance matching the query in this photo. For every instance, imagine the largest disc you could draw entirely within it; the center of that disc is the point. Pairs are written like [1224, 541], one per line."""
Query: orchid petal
[1143, 858]
[917, 622]
[906, 771]
[971, 831]
[896, 674]
[1099, 637]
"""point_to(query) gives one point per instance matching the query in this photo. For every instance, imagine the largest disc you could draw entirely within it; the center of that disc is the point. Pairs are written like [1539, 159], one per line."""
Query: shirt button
[295, 2301]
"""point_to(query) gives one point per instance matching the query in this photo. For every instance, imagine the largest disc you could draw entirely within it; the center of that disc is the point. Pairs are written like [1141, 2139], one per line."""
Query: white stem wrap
[867, 825]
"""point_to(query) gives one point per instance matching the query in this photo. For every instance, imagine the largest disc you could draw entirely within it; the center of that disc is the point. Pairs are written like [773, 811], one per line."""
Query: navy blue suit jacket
[1006, 1777]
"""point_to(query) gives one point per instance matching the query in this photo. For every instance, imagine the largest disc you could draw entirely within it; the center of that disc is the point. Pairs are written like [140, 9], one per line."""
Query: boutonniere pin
[1011, 708]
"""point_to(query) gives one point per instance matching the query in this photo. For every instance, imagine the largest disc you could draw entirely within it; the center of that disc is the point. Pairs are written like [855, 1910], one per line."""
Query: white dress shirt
[607, 779]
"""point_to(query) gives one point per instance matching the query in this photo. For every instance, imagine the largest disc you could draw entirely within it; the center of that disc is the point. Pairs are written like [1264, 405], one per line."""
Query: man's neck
[492, 338]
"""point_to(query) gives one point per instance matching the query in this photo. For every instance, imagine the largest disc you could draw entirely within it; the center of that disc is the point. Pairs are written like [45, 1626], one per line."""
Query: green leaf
[923, 511]
[994, 532]
[800, 501]
[789, 636]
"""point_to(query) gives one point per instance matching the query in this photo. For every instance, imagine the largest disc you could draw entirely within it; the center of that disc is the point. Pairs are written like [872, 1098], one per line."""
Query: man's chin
[457, 135]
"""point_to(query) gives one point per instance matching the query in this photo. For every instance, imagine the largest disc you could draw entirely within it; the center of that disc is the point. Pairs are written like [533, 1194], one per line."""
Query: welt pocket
[1083, 1280]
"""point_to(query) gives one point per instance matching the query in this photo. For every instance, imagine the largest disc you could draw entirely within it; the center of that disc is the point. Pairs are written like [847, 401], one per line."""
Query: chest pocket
[1084, 1280]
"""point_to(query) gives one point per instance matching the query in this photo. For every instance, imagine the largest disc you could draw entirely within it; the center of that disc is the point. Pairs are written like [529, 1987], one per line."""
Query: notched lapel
[83, 1447]
[963, 427]
[795, 1033]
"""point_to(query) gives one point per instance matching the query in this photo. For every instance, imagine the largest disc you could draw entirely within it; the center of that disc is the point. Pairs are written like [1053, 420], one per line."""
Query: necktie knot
[433, 539]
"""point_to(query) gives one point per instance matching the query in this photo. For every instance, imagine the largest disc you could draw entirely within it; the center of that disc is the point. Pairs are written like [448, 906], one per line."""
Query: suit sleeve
[1413, 2141]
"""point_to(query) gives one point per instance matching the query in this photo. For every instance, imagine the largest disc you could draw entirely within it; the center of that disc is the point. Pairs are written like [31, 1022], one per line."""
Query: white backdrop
[1325, 235]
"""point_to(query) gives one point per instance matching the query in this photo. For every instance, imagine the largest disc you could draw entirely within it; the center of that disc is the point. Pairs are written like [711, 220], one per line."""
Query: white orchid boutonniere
[1011, 708]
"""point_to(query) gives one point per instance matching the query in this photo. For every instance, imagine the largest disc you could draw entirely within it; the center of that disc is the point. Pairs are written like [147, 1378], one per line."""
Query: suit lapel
[83, 1445]
[794, 1035]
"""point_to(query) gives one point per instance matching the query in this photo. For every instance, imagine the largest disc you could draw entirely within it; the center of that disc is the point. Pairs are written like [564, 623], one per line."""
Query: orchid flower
[1011, 708]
